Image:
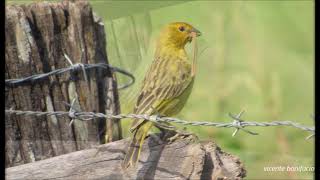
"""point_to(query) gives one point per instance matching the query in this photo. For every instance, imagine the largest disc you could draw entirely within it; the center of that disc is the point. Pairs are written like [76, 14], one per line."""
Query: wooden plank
[182, 159]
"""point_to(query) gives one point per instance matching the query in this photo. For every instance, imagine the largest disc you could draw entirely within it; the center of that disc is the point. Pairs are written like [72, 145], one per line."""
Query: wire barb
[237, 122]
[75, 66]
[310, 136]
[72, 112]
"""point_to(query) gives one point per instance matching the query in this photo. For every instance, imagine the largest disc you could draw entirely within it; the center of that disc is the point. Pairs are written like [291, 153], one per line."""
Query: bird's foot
[179, 134]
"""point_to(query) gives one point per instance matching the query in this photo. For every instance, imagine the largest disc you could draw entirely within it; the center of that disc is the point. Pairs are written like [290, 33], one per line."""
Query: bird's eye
[181, 28]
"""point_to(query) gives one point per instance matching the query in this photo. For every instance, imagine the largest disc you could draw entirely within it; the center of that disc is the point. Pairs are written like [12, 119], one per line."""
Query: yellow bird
[166, 86]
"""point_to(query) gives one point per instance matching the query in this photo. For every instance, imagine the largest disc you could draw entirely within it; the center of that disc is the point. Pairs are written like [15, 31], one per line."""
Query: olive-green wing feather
[164, 82]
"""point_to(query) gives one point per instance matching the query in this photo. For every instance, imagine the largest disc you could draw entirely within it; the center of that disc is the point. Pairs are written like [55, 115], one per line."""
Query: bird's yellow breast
[179, 71]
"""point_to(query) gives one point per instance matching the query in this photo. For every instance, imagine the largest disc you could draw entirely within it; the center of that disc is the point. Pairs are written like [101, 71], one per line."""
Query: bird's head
[177, 34]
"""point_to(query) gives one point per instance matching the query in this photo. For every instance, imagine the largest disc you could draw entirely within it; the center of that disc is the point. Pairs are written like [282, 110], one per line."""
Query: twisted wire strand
[237, 122]
[76, 67]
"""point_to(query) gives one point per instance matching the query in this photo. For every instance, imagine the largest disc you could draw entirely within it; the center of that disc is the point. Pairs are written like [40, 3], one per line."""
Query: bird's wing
[162, 84]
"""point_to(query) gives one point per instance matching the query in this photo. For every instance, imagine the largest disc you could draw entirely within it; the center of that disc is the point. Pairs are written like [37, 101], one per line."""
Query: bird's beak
[196, 31]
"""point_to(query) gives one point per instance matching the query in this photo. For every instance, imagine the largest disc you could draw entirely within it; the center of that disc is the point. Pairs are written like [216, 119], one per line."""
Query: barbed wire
[73, 68]
[237, 123]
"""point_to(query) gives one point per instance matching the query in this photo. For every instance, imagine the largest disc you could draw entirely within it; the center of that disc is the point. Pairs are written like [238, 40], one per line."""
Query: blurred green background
[256, 56]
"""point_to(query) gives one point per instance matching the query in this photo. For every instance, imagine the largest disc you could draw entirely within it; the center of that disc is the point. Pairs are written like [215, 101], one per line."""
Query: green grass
[259, 56]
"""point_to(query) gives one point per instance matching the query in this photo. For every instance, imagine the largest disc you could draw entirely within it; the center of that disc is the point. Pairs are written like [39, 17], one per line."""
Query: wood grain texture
[37, 37]
[182, 159]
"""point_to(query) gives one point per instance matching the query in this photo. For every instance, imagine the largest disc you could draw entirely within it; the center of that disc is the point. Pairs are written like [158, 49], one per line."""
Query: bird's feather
[153, 99]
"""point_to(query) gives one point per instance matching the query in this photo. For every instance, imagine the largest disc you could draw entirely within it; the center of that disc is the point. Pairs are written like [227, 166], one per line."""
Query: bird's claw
[181, 135]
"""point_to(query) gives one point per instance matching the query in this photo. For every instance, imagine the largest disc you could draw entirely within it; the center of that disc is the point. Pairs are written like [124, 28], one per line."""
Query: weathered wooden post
[37, 37]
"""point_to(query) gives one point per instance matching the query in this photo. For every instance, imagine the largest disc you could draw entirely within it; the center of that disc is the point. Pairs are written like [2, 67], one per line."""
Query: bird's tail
[134, 150]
